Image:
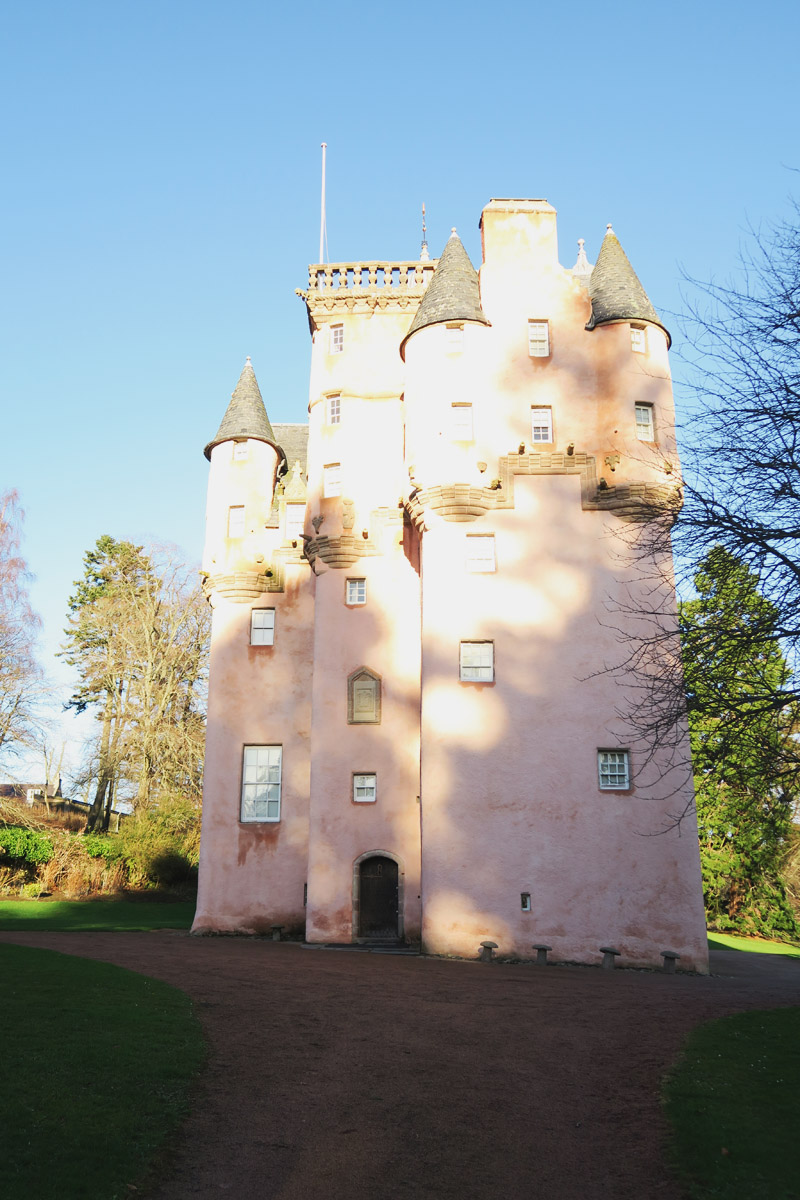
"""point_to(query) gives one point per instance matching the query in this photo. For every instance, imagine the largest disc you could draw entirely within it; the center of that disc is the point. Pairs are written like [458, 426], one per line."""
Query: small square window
[461, 422]
[334, 409]
[477, 662]
[539, 339]
[365, 789]
[356, 591]
[262, 627]
[337, 339]
[638, 339]
[541, 425]
[480, 552]
[332, 480]
[613, 769]
[294, 522]
[239, 451]
[261, 783]
[236, 521]
[455, 339]
[644, 423]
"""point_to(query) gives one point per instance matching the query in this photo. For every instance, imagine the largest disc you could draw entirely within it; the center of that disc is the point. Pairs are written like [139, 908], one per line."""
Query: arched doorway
[378, 898]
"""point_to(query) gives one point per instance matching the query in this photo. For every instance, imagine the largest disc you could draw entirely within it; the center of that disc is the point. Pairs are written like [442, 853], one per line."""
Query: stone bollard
[609, 954]
[670, 958]
[487, 951]
[277, 930]
[541, 954]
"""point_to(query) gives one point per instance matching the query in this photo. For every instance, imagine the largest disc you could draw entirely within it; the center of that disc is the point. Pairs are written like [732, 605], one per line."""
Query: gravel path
[337, 1075]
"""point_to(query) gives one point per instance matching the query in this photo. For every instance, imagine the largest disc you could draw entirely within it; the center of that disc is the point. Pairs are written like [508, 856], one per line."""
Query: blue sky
[161, 202]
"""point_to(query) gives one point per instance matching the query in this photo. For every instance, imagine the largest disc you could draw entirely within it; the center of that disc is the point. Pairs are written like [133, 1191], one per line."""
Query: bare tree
[20, 674]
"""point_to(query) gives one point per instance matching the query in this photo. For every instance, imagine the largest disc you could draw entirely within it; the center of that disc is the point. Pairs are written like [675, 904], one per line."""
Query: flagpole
[322, 213]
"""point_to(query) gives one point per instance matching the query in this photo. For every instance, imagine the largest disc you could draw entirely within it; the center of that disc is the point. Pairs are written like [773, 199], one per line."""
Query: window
[236, 521]
[644, 423]
[334, 409]
[295, 521]
[365, 789]
[455, 339]
[364, 698]
[461, 422]
[638, 339]
[480, 552]
[541, 425]
[539, 339]
[337, 339]
[239, 451]
[525, 901]
[477, 662]
[356, 591]
[262, 626]
[332, 480]
[261, 783]
[613, 770]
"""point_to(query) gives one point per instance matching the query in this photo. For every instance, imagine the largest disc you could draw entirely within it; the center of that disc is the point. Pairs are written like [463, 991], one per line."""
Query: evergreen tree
[745, 756]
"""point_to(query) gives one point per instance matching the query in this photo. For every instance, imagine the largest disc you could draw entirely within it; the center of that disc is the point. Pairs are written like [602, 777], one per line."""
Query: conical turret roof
[615, 291]
[246, 416]
[453, 293]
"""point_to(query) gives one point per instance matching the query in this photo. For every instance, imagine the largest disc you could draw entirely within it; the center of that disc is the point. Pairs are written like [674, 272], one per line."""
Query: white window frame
[355, 592]
[262, 767]
[480, 553]
[613, 770]
[645, 431]
[462, 427]
[336, 343]
[262, 627]
[331, 480]
[539, 339]
[476, 662]
[541, 425]
[454, 335]
[236, 521]
[365, 782]
[333, 409]
[638, 339]
[294, 520]
[239, 451]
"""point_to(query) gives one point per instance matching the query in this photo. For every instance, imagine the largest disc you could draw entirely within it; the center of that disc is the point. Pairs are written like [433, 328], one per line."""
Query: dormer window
[638, 339]
[336, 345]
[295, 522]
[539, 339]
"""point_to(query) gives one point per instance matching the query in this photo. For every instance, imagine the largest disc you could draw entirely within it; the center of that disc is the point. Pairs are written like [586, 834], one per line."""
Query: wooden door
[378, 898]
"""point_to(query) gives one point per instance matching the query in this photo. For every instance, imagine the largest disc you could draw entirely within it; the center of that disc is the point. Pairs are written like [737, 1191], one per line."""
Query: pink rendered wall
[252, 874]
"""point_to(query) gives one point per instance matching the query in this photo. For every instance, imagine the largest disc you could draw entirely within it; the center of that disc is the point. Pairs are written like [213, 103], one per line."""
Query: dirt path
[336, 1076]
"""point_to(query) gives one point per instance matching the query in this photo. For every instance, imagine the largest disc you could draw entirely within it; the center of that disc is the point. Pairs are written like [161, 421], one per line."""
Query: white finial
[453, 232]
[608, 228]
[582, 268]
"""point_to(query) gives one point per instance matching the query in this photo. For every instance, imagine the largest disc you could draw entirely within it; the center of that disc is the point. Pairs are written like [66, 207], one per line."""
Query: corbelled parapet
[362, 287]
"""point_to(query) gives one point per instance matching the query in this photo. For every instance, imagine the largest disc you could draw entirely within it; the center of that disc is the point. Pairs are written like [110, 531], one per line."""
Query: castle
[413, 733]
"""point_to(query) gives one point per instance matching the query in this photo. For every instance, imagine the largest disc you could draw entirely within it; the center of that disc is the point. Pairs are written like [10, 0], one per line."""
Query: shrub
[26, 845]
[98, 846]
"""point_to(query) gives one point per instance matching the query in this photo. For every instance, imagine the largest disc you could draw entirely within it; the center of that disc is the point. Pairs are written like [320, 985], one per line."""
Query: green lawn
[734, 1104]
[726, 941]
[97, 1065]
[112, 916]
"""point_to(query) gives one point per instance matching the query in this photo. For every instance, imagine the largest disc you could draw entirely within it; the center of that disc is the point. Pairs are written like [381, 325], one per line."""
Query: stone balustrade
[333, 278]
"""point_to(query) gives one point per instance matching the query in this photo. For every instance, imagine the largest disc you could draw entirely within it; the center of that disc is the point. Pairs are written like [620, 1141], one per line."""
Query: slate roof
[246, 416]
[615, 291]
[453, 293]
